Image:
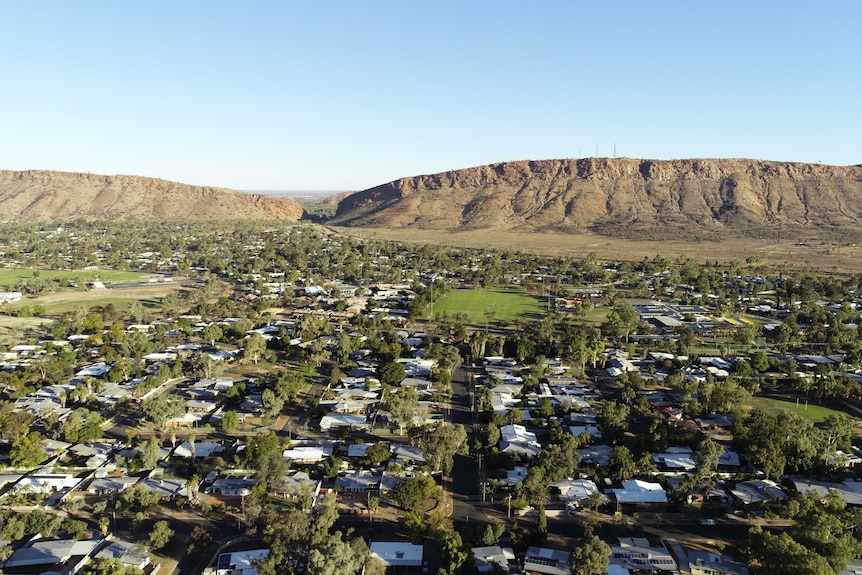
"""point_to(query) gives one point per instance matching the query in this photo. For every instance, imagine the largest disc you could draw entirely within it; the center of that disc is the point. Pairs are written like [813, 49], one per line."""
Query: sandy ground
[820, 255]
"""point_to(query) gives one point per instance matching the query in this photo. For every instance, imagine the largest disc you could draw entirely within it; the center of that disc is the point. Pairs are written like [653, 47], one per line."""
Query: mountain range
[64, 196]
[639, 199]
[696, 199]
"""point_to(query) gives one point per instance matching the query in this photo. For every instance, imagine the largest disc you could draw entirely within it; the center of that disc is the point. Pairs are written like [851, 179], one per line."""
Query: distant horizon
[309, 96]
[312, 191]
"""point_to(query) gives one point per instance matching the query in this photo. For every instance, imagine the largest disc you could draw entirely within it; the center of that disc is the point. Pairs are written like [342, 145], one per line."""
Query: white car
[707, 521]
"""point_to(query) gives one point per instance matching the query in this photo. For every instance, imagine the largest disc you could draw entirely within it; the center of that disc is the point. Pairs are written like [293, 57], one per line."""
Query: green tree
[75, 528]
[759, 361]
[150, 454]
[414, 492]
[403, 405]
[26, 451]
[212, 333]
[590, 557]
[623, 320]
[82, 426]
[613, 419]
[622, 463]
[271, 470]
[453, 552]
[229, 421]
[260, 447]
[162, 408]
[331, 466]
[778, 443]
[334, 556]
[161, 534]
[441, 443]
[253, 348]
[706, 458]
[542, 523]
[391, 373]
[378, 453]
[782, 555]
[272, 404]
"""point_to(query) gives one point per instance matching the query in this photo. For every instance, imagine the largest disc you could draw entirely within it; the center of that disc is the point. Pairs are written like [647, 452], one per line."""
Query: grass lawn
[506, 305]
[9, 277]
[596, 316]
[812, 411]
[65, 301]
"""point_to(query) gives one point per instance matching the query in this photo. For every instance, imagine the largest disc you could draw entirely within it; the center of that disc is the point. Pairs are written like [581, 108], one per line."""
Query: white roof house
[641, 493]
[675, 460]
[308, 453]
[575, 489]
[202, 449]
[487, 559]
[515, 439]
[46, 483]
[398, 553]
[239, 563]
[94, 370]
[334, 420]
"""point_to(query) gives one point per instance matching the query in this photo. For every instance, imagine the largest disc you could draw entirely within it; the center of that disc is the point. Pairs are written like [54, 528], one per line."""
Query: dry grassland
[820, 255]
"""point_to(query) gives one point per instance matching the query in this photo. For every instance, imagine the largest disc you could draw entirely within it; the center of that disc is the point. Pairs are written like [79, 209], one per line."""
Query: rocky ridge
[623, 197]
[64, 196]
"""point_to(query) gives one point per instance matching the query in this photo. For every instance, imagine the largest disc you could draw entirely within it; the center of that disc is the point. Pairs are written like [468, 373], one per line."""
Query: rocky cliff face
[622, 197]
[60, 196]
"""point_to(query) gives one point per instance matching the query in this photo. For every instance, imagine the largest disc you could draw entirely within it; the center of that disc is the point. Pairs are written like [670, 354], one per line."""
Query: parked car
[707, 521]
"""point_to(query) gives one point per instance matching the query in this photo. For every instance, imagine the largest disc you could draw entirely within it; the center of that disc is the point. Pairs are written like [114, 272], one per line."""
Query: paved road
[464, 480]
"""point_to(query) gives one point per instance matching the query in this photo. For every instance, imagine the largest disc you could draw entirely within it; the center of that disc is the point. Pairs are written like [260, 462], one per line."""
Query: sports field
[812, 411]
[68, 300]
[494, 306]
[9, 277]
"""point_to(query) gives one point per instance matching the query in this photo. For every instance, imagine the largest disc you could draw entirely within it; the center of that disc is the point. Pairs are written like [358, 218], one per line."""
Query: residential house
[596, 455]
[398, 553]
[705, 563]
[639, 554]
[129, 554]
[757, 491]
[110, 485]
[337, 420]
[358, 481]
[675, 459]
[494, 559]
[575, 490]
[237, 563]
[231, 486]
[516, 440]
[639, 493]
[308, 454]
[549, 561]
[48, 556]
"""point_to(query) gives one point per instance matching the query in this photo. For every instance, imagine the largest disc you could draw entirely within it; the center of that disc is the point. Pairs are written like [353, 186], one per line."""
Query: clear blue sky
[347, 95]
